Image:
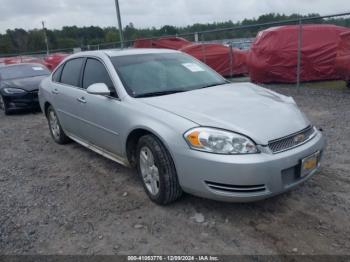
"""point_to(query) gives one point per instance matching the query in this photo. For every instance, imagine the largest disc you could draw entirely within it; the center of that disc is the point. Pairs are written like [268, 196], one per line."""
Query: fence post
[196, 37]
[300, 35]
[203, 50]
[231, 61]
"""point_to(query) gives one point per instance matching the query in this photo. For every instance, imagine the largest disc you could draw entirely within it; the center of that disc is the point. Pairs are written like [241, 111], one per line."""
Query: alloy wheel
[55, 128]
[149, 171]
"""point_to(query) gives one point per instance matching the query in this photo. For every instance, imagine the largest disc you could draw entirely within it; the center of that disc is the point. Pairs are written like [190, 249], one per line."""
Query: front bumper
[243, 178]
[27, 100]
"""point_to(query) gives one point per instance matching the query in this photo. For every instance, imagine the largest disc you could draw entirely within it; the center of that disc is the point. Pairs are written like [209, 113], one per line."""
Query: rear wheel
[157, 171]
[56, 130]
[3, 105]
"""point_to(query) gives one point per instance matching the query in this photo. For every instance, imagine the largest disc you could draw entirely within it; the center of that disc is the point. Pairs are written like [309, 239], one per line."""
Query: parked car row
[19, 86]
[183, 126]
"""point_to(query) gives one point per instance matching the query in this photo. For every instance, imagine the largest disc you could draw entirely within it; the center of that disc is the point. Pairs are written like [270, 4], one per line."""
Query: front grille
[235, 188]
[293, 140]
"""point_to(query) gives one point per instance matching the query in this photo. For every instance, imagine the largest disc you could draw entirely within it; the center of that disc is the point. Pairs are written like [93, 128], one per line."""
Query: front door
[101, 114]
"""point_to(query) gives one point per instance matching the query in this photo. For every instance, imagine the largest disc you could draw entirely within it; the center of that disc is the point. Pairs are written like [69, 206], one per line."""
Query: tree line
[21, 41]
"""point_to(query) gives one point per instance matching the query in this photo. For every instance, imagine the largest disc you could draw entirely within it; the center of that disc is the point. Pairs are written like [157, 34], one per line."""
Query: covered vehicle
[273, 55]
[219, 57]
[19, 85]
[23, 59]
[12, 60]
[343, 57]
[239, 64]
[52, 60]
[2, 61]
[175, 43]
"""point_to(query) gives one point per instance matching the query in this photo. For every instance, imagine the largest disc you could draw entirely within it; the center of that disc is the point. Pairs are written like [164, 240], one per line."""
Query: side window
[95, 72]
[57, 75]
[71, 72]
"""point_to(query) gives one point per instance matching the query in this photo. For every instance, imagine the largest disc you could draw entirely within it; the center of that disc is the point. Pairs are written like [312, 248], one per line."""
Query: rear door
[68, 96]
[102, 114]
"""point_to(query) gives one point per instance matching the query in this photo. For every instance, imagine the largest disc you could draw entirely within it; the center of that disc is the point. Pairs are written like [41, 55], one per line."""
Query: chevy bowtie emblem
[299, 138]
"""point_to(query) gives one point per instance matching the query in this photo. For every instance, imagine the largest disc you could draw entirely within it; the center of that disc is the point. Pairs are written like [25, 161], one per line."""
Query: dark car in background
[19, 85]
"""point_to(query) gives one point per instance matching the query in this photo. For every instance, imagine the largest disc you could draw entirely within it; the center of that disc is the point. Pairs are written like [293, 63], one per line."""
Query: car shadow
[21, 112]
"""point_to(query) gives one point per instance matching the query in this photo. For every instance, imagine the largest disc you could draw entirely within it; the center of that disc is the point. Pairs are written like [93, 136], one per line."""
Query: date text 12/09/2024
[173, 258]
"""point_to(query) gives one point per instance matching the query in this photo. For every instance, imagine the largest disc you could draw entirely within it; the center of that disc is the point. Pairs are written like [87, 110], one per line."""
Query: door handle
[54, 91]
[81, 100]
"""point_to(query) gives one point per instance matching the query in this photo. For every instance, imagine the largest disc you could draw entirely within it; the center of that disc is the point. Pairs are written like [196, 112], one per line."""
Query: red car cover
[12, 60]
[52, 60]
[273, 55]
[29, 59]
[23, 59]
[217, 56]
[2, 60]
[239, 65]
[343, 56]
[166, 42]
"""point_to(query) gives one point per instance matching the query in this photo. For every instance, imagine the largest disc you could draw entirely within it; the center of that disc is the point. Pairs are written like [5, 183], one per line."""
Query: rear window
[71, 72]
[23, 71]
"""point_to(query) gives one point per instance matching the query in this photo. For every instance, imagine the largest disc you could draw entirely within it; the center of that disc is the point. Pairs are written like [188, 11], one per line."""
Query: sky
[28, 14]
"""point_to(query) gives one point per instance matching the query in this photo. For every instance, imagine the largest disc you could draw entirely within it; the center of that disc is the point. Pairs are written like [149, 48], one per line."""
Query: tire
[56, 130]
[3, 105]
[167, 183]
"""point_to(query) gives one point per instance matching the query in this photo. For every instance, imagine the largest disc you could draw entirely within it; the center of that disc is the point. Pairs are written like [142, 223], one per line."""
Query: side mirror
[98, 89]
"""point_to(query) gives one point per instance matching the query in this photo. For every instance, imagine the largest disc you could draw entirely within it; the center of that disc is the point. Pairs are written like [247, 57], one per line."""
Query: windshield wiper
[216, 84]
[161, 93]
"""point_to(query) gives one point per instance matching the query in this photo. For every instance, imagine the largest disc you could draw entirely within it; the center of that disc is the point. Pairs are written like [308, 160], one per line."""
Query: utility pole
[119, 24]
[46, 41]
[300, 46]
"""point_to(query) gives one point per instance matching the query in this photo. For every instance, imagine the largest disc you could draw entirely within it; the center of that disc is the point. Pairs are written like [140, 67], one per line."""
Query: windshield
[22, 71]
[161, 74]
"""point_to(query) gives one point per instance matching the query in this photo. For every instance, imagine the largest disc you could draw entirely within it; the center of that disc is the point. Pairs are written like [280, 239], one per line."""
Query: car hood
[256, 112]
[29, 84]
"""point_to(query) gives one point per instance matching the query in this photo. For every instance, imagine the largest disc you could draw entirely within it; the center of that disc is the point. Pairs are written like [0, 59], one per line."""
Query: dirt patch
[69, 200]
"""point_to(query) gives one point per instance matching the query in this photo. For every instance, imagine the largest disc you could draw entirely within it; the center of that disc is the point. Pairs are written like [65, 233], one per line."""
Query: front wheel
[3, 105]
[157, 171]
[56, 130]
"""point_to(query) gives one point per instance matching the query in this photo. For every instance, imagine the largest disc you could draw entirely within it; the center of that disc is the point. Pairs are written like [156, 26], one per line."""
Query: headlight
[219, 141]
[10, 90]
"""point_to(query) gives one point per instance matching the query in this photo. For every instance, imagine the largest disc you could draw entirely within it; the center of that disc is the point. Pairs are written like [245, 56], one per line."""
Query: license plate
[310, 163]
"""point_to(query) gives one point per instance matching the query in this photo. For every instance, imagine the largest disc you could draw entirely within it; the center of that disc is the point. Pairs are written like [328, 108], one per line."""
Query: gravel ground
[69, 200]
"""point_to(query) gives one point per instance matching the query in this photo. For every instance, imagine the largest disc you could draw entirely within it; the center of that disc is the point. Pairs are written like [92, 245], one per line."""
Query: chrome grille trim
[235, 188]
[289, 142]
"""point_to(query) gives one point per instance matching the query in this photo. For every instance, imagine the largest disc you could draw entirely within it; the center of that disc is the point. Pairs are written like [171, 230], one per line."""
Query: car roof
[122, 52]
[138, 51]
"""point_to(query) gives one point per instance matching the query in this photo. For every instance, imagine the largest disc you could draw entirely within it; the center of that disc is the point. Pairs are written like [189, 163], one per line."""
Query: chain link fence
[290, 51]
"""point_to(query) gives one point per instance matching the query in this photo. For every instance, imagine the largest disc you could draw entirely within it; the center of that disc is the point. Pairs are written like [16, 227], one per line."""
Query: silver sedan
[183, 126]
